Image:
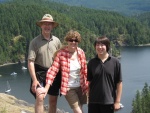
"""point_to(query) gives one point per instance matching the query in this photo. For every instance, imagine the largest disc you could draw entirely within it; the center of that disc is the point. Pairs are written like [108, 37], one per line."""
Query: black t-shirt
[103, 79]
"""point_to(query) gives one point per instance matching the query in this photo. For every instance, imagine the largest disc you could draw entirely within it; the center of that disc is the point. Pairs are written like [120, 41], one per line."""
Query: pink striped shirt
[62, 61]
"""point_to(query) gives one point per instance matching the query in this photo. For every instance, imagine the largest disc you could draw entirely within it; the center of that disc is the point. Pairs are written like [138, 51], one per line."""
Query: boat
[8, 88]
[121, 105]
[24, 67]
[14, 73]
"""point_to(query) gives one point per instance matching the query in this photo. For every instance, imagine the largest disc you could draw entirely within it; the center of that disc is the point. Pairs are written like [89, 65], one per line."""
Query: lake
[135, 69]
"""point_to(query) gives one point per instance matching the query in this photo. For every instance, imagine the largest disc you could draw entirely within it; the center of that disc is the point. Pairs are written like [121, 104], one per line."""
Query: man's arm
[33, 75]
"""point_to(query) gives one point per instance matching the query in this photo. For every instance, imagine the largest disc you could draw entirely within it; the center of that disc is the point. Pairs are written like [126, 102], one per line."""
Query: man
[40, 58]
[105, 78]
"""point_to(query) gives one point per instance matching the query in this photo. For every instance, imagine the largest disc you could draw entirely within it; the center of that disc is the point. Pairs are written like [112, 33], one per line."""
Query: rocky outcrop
[10, 104]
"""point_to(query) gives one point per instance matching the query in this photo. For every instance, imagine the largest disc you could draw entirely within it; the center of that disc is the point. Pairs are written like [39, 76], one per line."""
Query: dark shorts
[99, 108]
[54, 89]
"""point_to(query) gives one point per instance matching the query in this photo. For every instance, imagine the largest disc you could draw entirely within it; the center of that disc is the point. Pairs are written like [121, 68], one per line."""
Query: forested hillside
[18, 18]
[144, 18]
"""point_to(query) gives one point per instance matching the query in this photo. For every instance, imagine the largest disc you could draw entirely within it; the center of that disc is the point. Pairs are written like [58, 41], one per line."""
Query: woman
[71, 60]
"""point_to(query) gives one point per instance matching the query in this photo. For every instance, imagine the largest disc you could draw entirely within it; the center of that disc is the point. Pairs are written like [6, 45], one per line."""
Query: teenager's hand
[116, 106]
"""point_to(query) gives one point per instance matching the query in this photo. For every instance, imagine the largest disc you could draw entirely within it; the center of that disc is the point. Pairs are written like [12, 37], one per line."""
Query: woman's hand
[41, 90]
[46, 89]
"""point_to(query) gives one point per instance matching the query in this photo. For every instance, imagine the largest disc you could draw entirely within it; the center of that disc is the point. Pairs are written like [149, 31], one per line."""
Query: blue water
[135, 69]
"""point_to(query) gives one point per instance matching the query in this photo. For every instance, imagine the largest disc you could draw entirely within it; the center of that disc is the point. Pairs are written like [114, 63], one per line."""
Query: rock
[10, 104]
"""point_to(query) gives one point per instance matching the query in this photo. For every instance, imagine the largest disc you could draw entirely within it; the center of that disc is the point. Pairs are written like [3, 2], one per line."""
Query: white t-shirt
[74, 77]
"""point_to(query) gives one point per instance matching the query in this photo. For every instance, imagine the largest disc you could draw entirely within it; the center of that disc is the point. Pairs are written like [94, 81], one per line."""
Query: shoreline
[6, 64]
[141, 45]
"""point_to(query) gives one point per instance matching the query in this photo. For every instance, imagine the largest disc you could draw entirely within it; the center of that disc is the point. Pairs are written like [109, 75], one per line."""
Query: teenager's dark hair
[103, 40]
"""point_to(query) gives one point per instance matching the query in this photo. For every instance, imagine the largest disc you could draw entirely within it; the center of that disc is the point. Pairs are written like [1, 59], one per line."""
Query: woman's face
[73, 43]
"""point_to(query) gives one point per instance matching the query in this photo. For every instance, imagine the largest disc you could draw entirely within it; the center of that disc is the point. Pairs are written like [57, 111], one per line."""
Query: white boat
[8, 88]
[24, 67]
[121, 105]
[14, 73]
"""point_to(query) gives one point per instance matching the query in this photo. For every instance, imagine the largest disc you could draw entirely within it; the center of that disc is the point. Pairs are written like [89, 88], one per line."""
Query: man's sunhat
[47, 18]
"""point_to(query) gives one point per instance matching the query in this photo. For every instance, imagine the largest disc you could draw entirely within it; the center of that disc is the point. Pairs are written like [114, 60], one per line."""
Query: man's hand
[34, 85]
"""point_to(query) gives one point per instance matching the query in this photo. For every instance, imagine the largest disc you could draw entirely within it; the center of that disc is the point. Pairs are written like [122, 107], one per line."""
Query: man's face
[46, 27]
[100, 48]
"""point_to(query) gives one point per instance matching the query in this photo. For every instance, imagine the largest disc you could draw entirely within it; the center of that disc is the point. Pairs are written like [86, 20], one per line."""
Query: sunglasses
[73, 40]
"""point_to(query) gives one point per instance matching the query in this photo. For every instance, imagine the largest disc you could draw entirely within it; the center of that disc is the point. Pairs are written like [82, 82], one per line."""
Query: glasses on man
[73, 40]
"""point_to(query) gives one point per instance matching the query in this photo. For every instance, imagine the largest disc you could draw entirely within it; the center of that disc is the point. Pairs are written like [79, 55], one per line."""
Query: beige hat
[47, 18]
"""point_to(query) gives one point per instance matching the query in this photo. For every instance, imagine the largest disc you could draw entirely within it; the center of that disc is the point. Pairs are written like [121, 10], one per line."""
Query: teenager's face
[100, 49]
[73, 43]
[46, 27]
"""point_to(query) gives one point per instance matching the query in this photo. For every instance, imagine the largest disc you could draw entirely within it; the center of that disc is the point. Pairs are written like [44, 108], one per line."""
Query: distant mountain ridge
[2, 1]
[126, 7]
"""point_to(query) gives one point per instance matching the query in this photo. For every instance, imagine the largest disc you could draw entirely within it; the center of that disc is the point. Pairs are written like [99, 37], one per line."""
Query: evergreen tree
[141, 102]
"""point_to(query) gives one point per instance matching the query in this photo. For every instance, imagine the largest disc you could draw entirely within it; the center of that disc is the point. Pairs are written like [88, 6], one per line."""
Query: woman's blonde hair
[73, 34]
